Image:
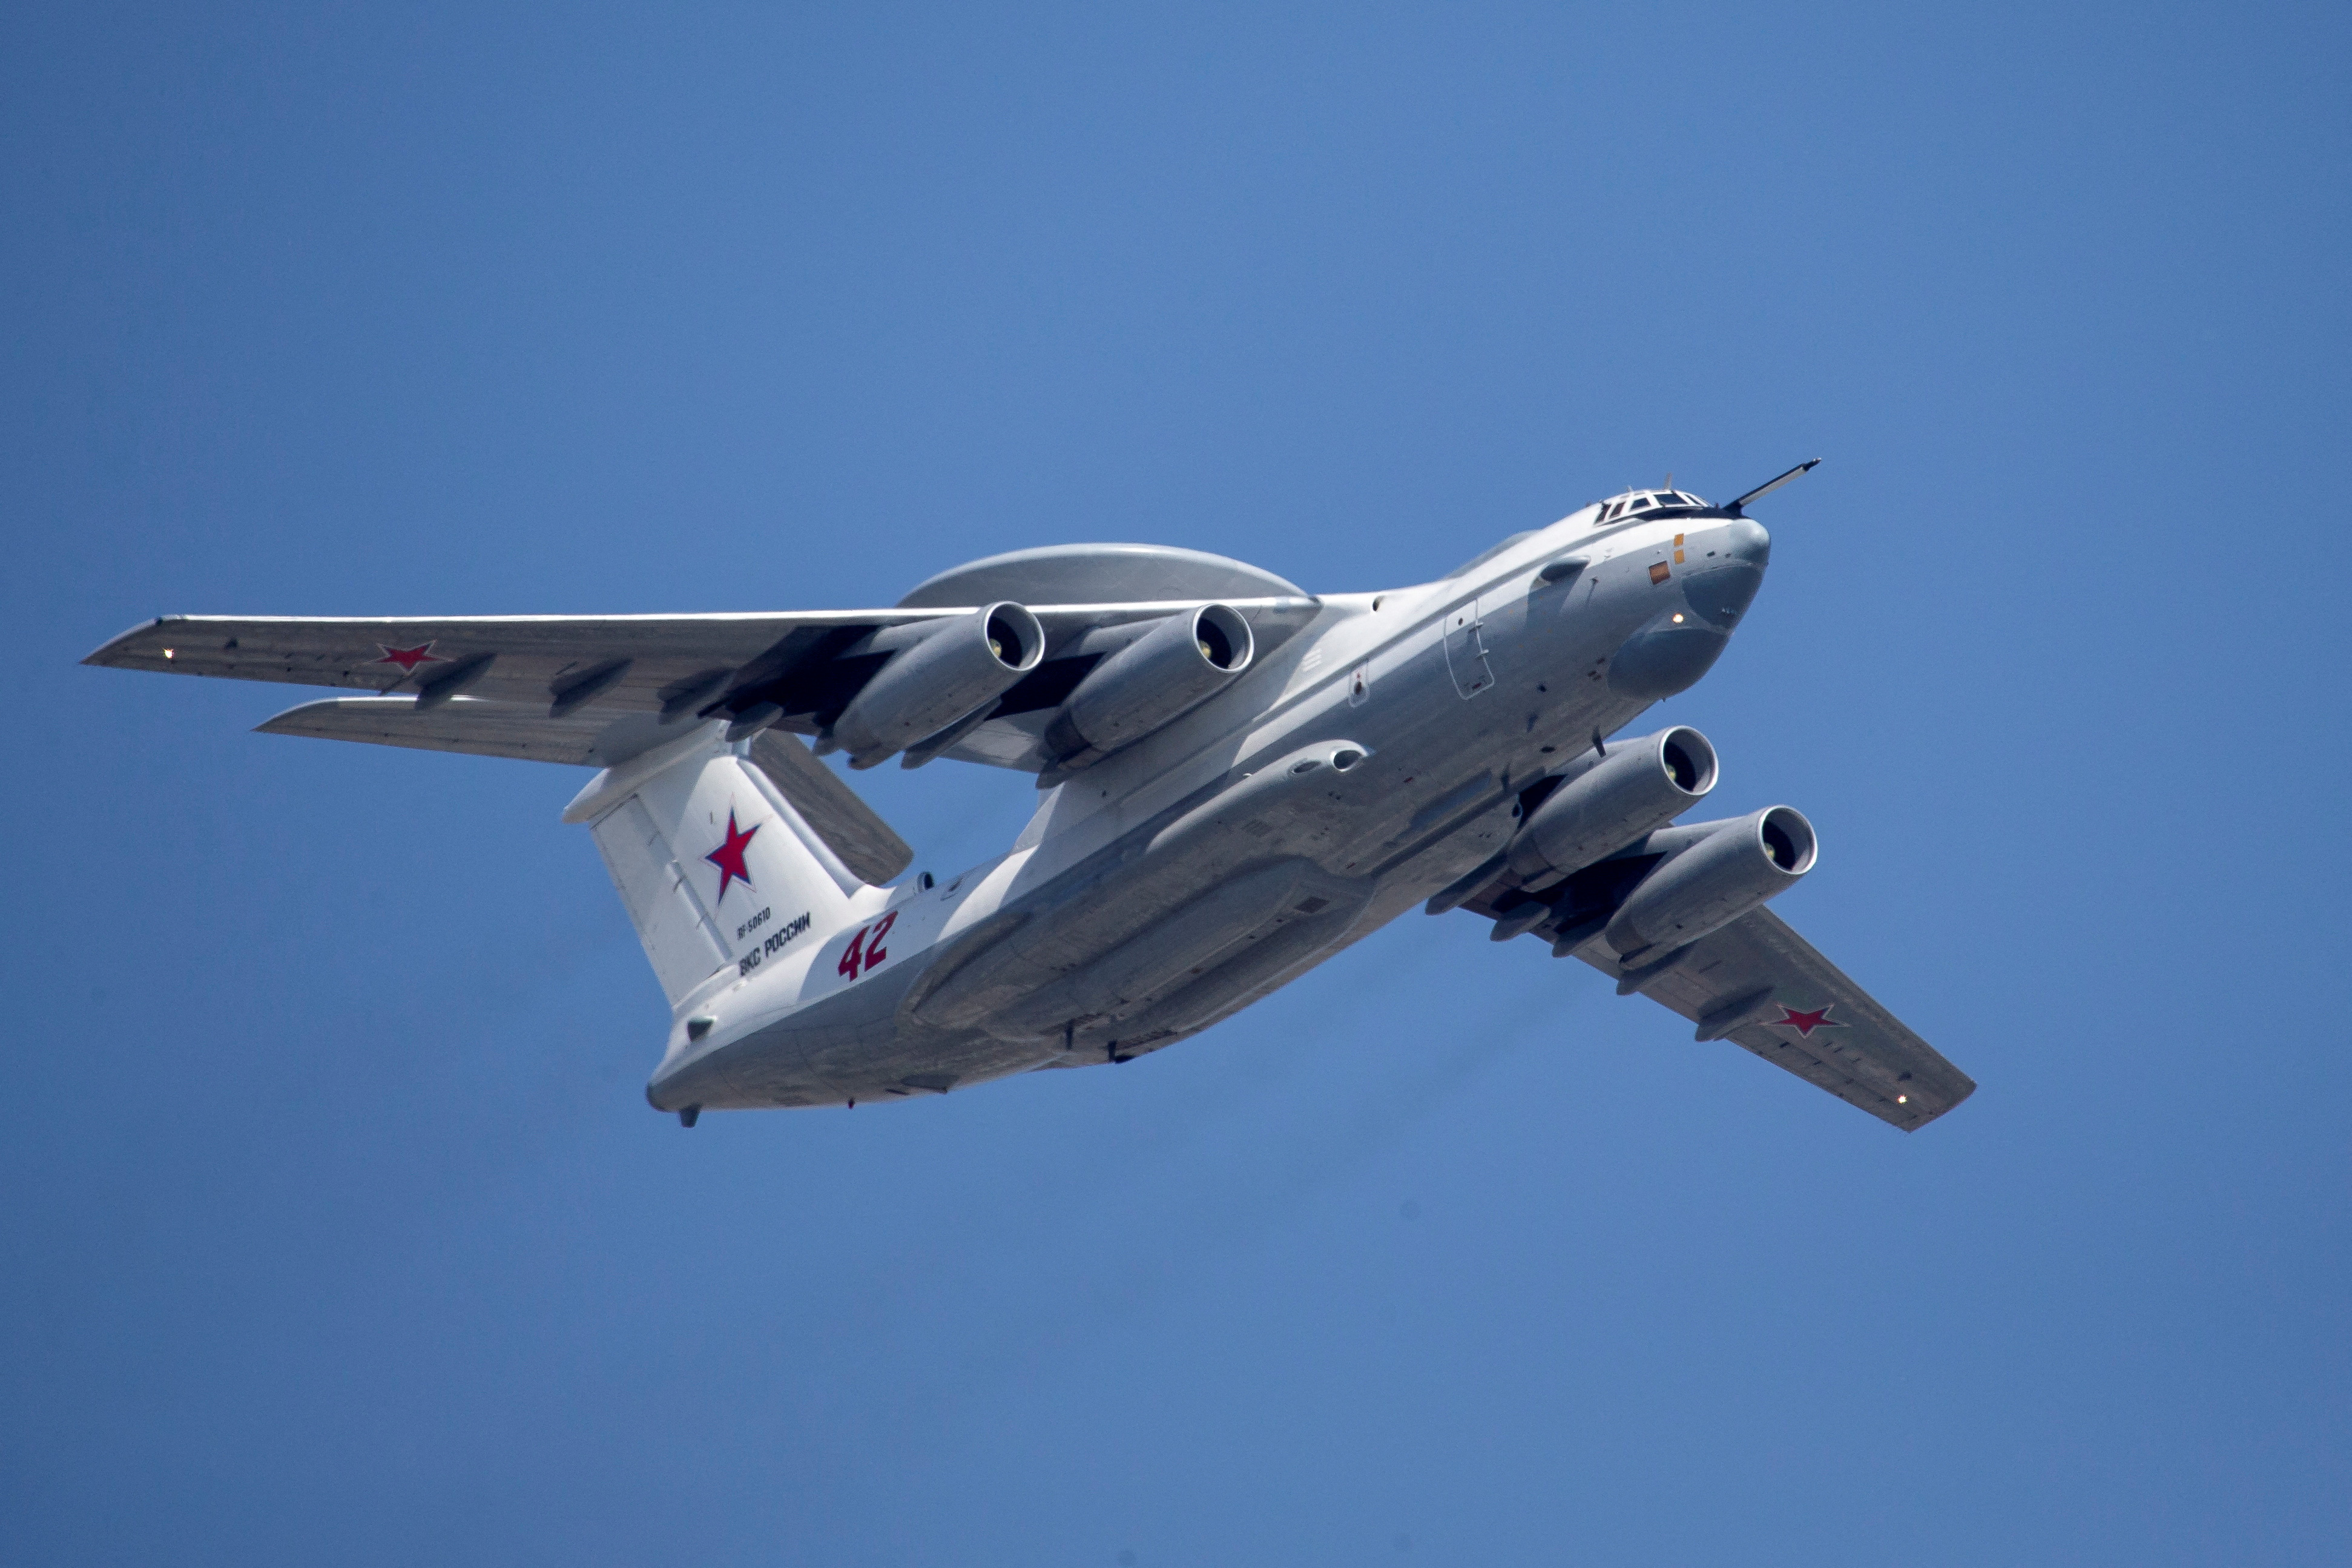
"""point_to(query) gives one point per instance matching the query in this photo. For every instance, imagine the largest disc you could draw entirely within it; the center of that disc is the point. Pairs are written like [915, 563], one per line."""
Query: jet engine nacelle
[953, 668]
[1640, 785]
[1156, 678]
[1732, 870]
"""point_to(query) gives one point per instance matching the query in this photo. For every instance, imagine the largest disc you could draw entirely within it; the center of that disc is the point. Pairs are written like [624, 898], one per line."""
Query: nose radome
[1744, 539]
[1726, 580]
[1722, 569]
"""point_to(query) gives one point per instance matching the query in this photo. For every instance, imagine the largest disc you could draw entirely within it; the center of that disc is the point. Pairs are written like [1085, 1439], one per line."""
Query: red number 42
[865, 949]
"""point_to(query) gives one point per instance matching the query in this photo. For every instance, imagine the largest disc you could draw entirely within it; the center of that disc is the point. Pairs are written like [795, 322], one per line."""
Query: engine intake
[1155, 680]
[948, 673]
[1735, 868]
[1640, 785]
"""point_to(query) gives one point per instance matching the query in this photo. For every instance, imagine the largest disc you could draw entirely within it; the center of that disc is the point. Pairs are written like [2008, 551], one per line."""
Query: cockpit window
[1643, 501]
[1485, 555]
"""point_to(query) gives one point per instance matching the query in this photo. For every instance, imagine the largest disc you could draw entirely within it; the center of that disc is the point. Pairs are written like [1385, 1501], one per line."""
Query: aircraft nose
[1721, 589]
[1745, 540]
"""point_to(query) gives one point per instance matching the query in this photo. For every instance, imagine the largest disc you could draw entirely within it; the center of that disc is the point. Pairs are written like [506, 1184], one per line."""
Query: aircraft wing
[588, 689]
[1761, 985]
[533, 659]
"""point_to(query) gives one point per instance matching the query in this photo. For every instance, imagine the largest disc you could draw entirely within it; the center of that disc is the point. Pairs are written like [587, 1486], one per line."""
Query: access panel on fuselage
[1466, 650]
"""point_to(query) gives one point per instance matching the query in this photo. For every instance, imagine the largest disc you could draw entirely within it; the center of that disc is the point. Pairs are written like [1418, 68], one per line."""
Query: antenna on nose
[1769, 485]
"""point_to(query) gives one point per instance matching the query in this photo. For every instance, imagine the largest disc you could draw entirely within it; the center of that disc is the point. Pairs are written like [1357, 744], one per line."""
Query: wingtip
[1967, 1086]
[116, 652]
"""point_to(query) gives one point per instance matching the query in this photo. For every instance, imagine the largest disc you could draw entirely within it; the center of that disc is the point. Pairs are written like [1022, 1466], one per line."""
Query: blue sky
[336, 1227]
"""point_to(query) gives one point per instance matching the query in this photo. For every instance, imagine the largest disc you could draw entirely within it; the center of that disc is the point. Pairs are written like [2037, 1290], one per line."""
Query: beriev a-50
[1237, 780]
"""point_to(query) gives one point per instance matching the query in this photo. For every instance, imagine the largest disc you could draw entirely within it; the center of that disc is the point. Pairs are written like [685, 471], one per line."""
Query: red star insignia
[408, 658]
[728, 858]
[1806, 1023]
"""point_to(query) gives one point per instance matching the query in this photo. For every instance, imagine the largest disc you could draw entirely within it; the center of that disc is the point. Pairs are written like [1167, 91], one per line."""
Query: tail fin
[711, 858]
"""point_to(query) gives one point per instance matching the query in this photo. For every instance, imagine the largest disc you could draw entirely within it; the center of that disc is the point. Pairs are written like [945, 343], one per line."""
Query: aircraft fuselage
[1371, 758]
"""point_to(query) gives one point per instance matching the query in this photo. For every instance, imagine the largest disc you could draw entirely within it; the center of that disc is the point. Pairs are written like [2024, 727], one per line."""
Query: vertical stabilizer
[711, 860]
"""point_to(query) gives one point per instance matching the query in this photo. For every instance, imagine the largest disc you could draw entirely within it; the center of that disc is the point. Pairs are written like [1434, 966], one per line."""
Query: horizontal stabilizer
[477, 727]
[850, 827]
[863, 842]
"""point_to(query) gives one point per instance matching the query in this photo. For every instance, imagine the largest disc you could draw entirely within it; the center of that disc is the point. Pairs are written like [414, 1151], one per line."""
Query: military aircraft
[1238, 779]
